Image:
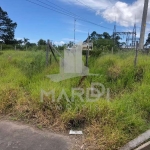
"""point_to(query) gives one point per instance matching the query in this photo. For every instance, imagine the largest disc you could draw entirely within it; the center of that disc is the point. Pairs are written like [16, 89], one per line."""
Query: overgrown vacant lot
[106, 125]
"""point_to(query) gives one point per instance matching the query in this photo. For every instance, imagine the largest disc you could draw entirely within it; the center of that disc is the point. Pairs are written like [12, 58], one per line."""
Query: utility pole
[134, 37]
[87, 51]
[143, 25]
[114, 34]
[74, 31]
[47, 52]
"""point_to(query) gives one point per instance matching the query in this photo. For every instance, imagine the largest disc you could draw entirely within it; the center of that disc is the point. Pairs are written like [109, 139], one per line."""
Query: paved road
[14, 136]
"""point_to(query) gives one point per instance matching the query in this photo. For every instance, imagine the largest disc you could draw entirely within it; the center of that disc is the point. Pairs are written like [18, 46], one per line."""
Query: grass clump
[106, 124]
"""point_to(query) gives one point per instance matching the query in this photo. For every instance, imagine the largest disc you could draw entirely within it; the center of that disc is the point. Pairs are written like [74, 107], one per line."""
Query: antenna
[114, 32]
[74, 31]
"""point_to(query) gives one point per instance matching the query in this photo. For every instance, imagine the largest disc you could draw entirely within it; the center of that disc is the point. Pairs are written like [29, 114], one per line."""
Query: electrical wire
[75, 16]
[64, 12]
[49, 8]
[85, 5]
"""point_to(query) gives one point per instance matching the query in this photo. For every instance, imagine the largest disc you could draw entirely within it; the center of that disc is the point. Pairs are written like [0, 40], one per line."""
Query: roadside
[14, 135]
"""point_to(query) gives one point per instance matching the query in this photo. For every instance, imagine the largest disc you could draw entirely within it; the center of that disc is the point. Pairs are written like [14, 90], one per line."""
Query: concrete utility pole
[143, 25]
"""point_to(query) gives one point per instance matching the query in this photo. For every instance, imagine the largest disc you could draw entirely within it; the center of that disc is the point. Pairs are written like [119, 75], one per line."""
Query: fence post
[47, 50]
[112, 50]
[136, 54]
[50, 59]
[87, 52]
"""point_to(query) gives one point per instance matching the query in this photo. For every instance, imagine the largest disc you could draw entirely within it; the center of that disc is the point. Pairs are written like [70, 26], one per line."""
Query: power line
[75, 15]
[85, 5]
[49, 8]
[64, 12]
[56, 7]
[61, 8]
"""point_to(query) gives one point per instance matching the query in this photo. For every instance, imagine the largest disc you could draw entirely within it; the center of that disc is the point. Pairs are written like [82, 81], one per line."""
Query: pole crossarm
[125, 33]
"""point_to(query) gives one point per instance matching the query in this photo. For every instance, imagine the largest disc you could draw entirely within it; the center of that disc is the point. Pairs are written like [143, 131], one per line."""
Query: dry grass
[106, 125]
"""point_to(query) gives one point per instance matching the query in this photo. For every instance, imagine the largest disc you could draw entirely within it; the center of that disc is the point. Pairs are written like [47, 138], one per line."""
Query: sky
[35, 22]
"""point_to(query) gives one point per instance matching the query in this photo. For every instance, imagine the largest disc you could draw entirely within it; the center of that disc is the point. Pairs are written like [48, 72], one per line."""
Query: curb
[137, 142]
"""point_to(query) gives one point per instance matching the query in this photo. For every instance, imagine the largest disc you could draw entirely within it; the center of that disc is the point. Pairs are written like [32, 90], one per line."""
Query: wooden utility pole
[51, 49]
[47, 51]
[143, 25]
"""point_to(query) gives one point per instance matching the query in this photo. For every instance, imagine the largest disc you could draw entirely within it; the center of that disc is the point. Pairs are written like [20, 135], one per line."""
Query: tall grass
[107, 125]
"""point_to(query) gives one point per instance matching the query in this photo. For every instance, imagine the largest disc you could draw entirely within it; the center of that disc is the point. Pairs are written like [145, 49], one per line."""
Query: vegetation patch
[114, 72]
[106, 124]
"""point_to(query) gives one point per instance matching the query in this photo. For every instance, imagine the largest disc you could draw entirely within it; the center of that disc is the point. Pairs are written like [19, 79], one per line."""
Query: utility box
[87, 46]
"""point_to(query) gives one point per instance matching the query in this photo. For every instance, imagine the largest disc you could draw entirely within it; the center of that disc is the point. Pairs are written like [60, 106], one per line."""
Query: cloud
[112, 10]
[69, 39]
[18, 38]
[91, 4]
[125, 14]
[64, 41]
[30, 40]
[59, 43]
[81, 31]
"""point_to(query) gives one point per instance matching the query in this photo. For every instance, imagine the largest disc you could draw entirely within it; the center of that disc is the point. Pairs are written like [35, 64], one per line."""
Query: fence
[22, 47]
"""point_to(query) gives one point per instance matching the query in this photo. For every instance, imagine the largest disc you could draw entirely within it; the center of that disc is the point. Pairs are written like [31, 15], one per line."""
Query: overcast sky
[35, 22]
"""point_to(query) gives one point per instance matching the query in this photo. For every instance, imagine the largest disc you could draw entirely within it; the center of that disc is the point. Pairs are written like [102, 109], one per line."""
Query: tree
[106, 35]
[94, 36]
[148, 40]
[20, 42]
[25, 41]
[117, 38]
[104, 41]
[30, 44]
[41, 42]
[70, 44]
[7, 27]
